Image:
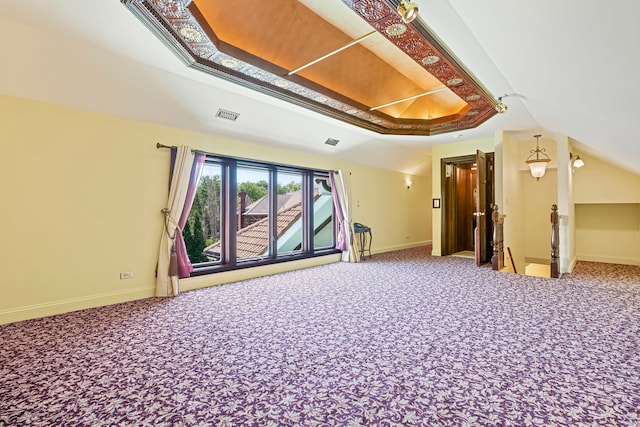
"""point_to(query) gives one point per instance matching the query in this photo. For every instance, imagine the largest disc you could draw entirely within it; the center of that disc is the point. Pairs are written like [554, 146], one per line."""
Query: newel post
[497, 260]
[555, 242]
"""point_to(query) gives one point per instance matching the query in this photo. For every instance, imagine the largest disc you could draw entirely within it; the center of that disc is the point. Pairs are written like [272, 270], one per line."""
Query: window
[323, 213]
[254, 212]
[248, 213]
[290, 236]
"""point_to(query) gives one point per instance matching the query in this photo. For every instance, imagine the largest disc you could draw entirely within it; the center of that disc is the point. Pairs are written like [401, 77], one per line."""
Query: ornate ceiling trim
[178, 24]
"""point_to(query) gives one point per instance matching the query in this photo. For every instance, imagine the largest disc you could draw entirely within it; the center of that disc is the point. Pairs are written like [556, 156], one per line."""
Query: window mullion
[307, 213]
[231, 217]
[273, 213]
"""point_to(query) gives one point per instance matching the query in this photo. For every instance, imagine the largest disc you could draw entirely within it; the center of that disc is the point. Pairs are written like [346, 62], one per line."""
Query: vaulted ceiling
[566, 68]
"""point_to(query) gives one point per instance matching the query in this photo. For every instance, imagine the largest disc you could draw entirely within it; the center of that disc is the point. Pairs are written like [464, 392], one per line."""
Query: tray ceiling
[356, 61]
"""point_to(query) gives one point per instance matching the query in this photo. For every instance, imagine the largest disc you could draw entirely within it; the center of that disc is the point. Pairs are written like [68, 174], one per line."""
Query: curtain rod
[158, 145]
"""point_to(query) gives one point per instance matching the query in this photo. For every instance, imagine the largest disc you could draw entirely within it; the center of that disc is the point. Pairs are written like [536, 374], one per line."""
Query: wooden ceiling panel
[399, 60]
[430, 107]
[362, 76]
[282, 32]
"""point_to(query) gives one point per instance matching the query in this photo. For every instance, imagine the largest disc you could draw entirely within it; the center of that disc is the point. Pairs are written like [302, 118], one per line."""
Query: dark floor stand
[364, 236]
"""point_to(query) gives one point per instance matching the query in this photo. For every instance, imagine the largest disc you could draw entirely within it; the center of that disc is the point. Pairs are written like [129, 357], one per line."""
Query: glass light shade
[578, 163]
[538, 167]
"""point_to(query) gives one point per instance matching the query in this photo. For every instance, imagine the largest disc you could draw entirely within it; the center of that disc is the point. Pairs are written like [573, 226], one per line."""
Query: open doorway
[467, 198]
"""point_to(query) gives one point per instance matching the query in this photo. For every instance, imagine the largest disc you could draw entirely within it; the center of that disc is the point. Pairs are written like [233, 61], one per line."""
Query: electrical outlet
[126, 275]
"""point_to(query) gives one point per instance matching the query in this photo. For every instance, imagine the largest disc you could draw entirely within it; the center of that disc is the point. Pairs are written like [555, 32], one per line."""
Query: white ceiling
[569, 68]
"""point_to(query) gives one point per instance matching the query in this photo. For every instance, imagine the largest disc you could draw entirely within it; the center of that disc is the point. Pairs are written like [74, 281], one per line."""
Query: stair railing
[555, 242]
[497, 260]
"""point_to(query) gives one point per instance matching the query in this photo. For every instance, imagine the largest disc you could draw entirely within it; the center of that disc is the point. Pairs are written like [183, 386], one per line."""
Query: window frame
[229, 218]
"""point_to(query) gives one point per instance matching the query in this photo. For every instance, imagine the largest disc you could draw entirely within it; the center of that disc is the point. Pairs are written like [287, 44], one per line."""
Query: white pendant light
[538, 165]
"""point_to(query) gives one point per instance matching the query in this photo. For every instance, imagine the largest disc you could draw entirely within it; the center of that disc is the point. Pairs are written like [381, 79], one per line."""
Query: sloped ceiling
[567, 68]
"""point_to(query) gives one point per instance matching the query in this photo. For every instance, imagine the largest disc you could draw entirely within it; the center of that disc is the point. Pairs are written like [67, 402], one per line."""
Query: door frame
[482, 209]
[449, 199]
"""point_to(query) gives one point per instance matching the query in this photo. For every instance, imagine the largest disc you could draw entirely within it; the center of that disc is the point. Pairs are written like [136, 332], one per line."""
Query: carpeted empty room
[403, 339]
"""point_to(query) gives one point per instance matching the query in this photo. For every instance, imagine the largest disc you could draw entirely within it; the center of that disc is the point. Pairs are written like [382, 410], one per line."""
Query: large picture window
[248, 213]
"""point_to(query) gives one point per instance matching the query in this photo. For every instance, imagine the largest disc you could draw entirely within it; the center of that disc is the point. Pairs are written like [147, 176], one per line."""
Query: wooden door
[480, 246]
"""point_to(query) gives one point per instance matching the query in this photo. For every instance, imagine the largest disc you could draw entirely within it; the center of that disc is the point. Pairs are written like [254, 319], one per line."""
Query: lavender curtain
[341, 236]
[340, 190]
[185, 172]
[184, 264]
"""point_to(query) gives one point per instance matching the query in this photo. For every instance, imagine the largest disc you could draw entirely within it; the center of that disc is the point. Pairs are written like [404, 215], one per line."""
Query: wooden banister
[497, 260]
[555, 242]
[512, 263]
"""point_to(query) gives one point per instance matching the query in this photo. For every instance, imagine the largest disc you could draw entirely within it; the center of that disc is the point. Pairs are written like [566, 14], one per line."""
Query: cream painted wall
[607, 221]
[608, 232]
[566, 205]
[402, 222]
[601, 182]
[512, 205]
[527, 202]
[83, 194]
[438, 153]
[537, 197]
[536, 211]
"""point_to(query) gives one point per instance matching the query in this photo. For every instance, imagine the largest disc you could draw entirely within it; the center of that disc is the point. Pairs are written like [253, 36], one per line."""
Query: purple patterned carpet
[404, 339]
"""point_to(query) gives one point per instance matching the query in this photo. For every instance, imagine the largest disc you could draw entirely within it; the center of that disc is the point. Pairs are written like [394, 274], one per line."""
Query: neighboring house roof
[253, 240]
[261, 206]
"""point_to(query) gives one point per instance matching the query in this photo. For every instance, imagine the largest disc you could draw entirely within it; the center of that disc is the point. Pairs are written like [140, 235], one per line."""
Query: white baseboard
[208, 280]
[72, 304]
[401, 247]
[608, 260]
[572, 265]
[200, 282]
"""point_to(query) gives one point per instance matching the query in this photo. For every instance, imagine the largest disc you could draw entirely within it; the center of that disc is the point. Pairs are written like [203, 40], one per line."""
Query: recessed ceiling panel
[354, 60]
[361, 76]
[282, 32]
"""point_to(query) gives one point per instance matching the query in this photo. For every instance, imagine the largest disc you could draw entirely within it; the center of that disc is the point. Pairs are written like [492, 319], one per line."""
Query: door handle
[478, 214]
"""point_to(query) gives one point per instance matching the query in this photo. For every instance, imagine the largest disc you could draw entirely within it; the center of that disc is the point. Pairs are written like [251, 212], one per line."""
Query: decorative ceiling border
[175, 22]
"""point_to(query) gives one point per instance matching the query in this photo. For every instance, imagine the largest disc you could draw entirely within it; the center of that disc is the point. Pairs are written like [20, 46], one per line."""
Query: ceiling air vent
[332, 142]
[227, 115]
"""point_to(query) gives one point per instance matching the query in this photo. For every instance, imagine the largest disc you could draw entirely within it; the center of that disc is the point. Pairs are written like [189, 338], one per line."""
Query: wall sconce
[407, 10]
[409, 182]
[538, 164]
[577, 163]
